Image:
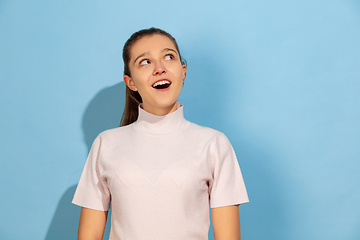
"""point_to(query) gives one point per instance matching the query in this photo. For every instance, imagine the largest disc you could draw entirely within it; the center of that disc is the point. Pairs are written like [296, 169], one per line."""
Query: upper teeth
[161, 83]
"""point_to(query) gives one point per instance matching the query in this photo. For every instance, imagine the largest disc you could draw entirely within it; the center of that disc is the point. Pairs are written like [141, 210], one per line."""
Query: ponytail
[131, 111]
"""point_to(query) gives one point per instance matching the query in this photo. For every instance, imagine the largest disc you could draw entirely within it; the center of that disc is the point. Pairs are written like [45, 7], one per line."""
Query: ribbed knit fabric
[159, 173]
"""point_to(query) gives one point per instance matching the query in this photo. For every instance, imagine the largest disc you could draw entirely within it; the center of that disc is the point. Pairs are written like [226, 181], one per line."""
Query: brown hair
[133, 98]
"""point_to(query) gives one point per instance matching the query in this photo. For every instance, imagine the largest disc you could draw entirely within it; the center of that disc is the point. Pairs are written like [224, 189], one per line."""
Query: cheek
[139, 78]
[178, 72]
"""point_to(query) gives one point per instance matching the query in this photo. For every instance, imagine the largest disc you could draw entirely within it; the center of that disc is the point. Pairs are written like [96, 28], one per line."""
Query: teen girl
[158, 170]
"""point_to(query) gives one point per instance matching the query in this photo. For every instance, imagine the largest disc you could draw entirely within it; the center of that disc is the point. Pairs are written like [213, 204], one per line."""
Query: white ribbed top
[159, 174]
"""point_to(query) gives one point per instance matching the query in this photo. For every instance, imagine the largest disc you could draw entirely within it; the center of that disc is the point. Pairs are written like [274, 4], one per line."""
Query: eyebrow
[169, 49]
[147, 53]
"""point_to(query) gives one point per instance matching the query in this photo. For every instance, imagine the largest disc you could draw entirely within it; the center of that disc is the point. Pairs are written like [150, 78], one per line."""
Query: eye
[169, 56]
[144, 62]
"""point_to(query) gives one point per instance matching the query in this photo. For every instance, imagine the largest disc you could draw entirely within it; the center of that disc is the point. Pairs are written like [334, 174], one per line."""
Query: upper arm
[92, 224]
[227, 186]
[226, 222]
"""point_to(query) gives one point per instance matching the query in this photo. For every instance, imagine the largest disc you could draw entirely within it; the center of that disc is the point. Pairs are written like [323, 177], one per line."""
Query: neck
[160, 111]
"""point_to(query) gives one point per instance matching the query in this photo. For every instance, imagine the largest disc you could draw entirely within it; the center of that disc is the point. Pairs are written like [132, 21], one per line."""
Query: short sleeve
[228, 186]
[92, 191]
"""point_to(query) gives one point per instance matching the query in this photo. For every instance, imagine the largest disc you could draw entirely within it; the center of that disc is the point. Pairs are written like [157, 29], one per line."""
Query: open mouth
[161, 84]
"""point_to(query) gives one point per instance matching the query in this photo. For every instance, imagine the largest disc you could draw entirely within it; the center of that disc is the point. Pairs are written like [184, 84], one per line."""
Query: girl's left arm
[226, 223]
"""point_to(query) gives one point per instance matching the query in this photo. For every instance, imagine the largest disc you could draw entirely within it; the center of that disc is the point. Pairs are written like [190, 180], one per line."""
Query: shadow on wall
[103, 112]
[66, 219]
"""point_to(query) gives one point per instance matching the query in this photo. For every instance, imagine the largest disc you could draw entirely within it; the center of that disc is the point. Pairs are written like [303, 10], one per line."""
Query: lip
[163, 89]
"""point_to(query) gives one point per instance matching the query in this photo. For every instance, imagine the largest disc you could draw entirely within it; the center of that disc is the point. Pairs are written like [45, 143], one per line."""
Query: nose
[159, 68]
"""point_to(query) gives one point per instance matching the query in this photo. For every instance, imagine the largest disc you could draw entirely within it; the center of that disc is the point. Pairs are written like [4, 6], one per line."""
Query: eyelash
[169, 54]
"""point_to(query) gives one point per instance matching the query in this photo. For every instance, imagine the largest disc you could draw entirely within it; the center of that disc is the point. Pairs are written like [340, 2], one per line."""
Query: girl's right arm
[92, 224]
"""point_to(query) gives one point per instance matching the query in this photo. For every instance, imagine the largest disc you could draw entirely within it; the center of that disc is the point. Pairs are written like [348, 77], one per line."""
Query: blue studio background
[280, 78]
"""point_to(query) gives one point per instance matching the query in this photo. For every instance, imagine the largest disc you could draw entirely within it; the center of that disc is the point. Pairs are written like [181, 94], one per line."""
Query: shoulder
[207, 132]
[115, 133]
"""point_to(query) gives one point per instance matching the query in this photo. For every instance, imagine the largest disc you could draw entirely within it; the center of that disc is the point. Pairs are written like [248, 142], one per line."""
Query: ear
[184, 71]
[130, 83]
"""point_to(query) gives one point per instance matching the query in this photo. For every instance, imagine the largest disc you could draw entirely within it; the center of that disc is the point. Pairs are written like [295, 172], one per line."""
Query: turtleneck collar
[161, 125]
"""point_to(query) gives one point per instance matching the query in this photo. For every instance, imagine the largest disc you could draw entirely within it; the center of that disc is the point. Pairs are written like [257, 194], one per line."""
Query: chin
[167, 105]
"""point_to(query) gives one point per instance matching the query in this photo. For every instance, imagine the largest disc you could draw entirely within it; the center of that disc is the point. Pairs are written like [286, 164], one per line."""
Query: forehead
[151, 44]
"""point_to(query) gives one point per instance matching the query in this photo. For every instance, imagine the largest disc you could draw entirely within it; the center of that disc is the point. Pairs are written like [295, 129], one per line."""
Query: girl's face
[156, 72]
